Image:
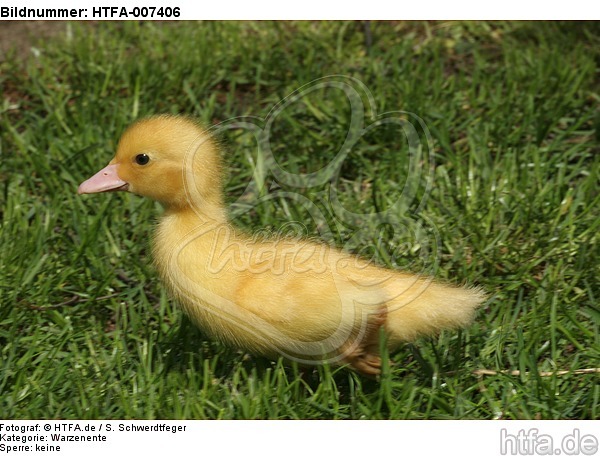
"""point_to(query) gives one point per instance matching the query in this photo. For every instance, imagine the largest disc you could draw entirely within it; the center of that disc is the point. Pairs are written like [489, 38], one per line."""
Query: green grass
[507, 198]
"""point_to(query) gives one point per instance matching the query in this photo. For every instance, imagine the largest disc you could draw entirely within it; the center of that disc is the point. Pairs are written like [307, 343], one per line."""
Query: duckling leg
[365, 357]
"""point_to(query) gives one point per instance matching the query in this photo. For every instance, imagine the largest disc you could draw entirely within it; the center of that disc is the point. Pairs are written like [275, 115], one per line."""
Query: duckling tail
[426, 307]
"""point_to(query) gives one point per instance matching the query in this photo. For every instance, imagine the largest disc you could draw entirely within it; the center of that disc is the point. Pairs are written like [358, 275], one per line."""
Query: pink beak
[105, 180]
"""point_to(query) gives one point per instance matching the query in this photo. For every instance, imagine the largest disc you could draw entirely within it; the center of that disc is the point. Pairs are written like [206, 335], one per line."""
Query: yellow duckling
[305, 300]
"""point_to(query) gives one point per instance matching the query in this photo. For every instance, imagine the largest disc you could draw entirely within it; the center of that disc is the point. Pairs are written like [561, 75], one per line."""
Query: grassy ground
[504, 194]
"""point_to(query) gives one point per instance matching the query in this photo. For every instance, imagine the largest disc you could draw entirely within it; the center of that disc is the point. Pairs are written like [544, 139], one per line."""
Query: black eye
[142, 159]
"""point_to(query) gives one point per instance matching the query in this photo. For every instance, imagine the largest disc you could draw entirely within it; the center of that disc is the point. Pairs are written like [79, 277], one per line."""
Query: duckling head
[167, 158]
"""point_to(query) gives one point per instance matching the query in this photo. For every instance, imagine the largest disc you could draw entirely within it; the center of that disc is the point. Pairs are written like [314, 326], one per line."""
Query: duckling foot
[368, 364]
[365, 358]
